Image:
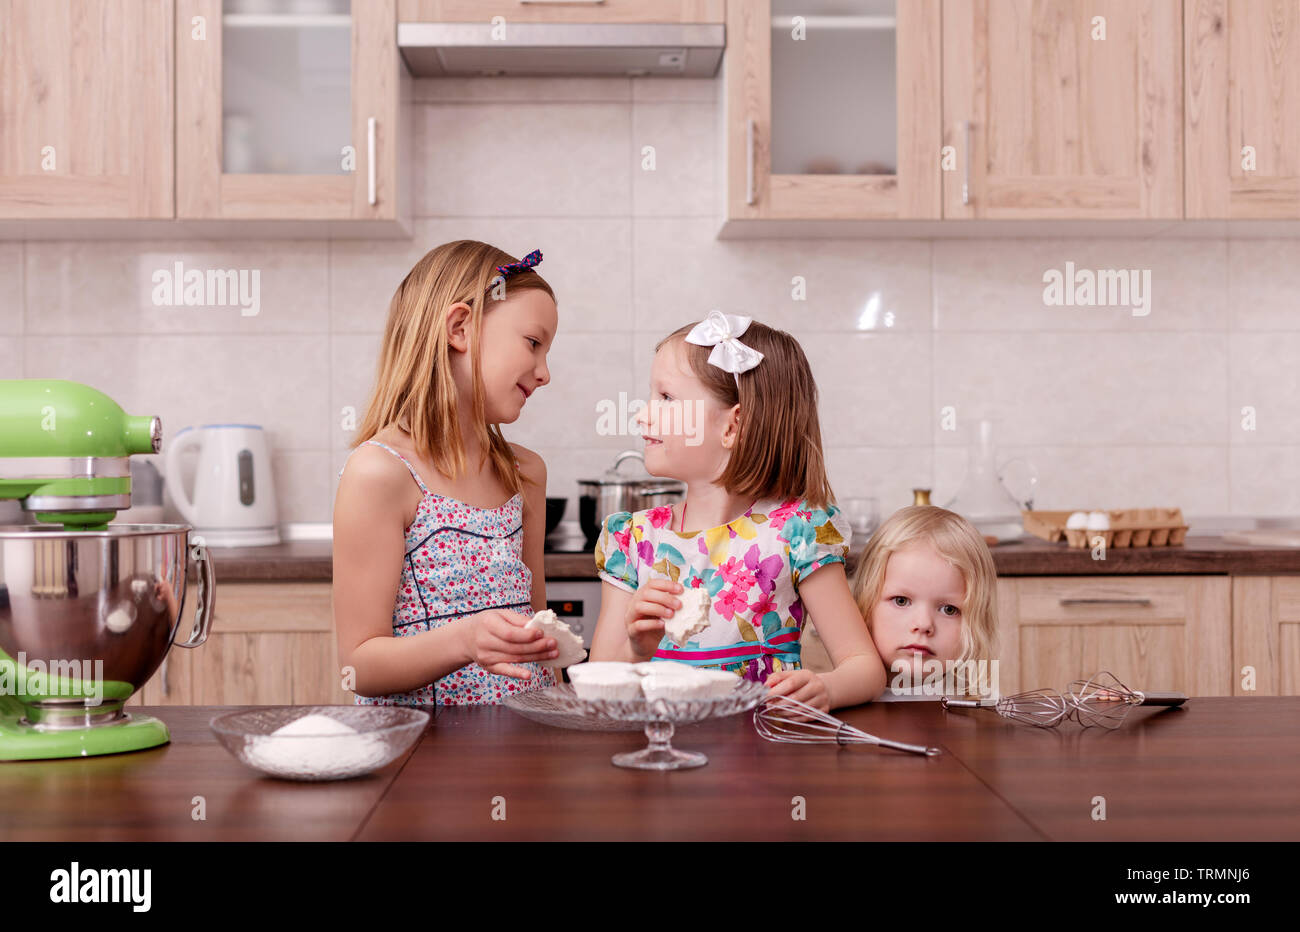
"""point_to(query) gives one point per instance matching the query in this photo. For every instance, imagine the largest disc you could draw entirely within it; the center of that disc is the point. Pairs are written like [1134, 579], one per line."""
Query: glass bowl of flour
[319, 742]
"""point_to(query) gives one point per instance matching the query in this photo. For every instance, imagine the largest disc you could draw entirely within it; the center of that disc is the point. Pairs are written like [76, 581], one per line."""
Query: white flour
[316, 744]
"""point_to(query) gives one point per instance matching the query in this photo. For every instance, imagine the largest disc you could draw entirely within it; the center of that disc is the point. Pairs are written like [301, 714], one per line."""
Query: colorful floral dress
[751, 568]
[461, 560]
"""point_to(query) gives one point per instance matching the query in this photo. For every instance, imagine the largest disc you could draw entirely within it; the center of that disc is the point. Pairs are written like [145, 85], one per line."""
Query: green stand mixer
[88, 609]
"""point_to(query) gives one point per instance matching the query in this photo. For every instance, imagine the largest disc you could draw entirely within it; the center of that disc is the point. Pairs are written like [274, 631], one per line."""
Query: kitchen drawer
[569, 11]
[1153, 632]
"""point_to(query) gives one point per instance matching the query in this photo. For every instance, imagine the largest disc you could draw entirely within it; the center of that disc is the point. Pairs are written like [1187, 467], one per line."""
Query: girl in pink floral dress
[758, 530]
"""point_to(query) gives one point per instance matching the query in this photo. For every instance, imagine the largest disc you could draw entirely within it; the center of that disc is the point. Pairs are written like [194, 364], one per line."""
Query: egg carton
[1129, 527]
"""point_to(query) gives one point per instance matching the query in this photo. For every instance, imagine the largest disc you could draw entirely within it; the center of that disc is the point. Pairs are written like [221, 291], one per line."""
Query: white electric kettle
[234, 499]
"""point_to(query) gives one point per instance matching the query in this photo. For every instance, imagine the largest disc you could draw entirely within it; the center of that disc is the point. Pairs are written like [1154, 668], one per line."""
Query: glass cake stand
[561, 707]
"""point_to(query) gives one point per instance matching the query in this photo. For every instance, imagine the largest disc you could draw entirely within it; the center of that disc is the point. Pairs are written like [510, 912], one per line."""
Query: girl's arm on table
[859, 674]
[532, 466]
[369, 547]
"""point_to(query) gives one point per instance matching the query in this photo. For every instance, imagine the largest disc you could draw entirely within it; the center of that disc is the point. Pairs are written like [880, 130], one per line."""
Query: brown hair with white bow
[778, 454]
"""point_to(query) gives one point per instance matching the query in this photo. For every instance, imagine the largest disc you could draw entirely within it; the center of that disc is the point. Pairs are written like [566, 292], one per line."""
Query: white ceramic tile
[674, 148]
[586, 262]
[11, 357]
[887, 474]
[302, 488]
[853, 413]
[1193, 478]
[873, 387]
[587, 371]
[354, 361]
[1264, 388]
[1263, 284]
[542, 159]
[105, 286]
[1264, 480]
[279, 382]
[1085, 388]
[681, 272]
[11, 287]
[522, 90]
[998, 284]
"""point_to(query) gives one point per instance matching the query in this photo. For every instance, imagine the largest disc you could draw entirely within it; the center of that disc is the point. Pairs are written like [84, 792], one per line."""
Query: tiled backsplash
[1114, 409]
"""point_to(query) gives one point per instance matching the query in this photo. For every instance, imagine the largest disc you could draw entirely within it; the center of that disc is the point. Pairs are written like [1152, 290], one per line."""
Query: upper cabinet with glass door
[289, 110]
[833, 109]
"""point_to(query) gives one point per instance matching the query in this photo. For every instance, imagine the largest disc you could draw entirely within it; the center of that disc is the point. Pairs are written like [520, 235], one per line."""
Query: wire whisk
[1100, 700]
[789, 721]
[1044, 708]
[1104, 701]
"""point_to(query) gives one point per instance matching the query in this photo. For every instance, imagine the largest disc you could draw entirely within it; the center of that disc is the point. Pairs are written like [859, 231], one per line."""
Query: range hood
[439, 50]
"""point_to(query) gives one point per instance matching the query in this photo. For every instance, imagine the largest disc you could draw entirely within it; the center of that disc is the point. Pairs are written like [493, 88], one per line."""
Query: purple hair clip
[527, 262]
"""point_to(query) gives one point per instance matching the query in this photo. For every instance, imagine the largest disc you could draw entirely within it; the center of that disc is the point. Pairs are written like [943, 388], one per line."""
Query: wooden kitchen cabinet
[841, 124]
[86, 125]
[270, 644]
[562, 11]
[1153, 632]
[1057, 123]
[1266, 634]
[289, 116]
[1242, 61]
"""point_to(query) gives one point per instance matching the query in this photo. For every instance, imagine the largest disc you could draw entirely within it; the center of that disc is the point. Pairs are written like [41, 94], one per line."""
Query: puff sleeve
[816, 537]
[616, 552]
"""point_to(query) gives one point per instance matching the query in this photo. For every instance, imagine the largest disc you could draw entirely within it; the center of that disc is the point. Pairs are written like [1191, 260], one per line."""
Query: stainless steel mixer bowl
[114, 596]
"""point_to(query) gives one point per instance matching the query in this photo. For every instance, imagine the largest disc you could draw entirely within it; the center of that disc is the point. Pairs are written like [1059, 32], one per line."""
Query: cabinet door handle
[1105, 601]
[970, 155]
[750, 129]
[370, 161]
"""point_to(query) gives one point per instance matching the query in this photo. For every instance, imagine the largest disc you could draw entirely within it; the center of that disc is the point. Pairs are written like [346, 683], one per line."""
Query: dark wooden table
[1219, 769]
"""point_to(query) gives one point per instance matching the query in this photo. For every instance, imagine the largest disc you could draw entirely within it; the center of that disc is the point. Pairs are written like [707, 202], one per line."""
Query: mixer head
[65, 450]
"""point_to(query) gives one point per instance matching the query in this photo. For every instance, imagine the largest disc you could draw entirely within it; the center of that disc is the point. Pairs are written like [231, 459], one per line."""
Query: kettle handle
[207, 596]
[186, 438]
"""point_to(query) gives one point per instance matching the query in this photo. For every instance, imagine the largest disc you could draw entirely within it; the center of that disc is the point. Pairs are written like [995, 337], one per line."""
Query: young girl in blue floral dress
[758, 529]
[438, 521]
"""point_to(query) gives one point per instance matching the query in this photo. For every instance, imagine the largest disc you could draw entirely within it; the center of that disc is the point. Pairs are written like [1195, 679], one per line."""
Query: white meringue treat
[691, 618]
[620, 685]
[579, 670]
[719, 682]
[674, 688]
[567, 643]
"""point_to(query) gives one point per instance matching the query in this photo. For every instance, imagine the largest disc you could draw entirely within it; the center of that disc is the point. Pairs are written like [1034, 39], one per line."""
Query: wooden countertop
[1030, 556]
[1218, 769]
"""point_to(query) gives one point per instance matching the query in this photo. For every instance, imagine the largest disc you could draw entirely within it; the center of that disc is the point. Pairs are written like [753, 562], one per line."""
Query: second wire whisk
[789, 721]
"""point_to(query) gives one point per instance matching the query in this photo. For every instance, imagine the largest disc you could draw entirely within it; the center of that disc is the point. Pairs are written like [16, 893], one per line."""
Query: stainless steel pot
[600, 498]
[95, 604]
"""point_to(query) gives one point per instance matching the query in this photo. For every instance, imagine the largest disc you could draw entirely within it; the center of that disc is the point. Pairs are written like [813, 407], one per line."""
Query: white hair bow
[720, 331]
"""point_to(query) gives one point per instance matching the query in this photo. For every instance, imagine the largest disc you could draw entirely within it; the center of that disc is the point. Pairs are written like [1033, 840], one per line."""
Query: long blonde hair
[958, 542]
[413, 379]
[778, 453]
